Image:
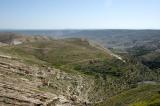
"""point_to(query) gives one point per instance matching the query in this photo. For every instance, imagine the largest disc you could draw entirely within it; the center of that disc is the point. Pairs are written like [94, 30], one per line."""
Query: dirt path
[100, 47]
[148, 82]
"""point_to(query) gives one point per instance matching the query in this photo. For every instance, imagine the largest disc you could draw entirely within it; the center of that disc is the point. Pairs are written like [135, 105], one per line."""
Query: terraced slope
[20, 85]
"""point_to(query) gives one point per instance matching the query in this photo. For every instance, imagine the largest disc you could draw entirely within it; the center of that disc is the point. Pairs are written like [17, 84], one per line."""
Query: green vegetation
[144, 95]
[112, 67]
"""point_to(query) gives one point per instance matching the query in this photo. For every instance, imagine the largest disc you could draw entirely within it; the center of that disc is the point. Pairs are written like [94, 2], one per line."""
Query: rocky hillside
[42, 71]
[20, 85]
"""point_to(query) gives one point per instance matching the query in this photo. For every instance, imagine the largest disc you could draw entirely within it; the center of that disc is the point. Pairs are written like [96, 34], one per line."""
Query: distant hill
[119, 39]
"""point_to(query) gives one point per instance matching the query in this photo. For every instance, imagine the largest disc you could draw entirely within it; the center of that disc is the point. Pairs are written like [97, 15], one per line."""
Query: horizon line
[10, 29]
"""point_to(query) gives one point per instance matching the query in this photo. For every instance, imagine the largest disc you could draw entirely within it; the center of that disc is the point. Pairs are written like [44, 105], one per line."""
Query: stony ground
[23, 85]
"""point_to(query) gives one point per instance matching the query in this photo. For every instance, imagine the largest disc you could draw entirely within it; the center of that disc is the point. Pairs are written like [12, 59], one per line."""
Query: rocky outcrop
[24, 85]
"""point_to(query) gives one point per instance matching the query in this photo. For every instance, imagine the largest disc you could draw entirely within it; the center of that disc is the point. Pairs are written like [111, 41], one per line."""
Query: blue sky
[79, 14]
